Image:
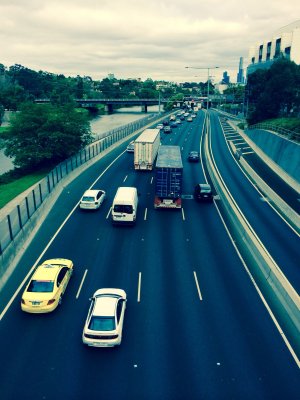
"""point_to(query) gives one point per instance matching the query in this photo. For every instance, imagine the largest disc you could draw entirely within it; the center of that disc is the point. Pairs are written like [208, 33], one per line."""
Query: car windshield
[127, 209]
[102, 324]
[88, 198]
[41, 286]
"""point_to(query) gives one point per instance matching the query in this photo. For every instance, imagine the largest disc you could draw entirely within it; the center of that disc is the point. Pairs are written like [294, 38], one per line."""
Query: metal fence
[14, 222]
[288, 134]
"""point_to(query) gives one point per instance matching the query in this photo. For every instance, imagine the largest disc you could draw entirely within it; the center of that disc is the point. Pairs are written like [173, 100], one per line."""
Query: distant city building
[284, 42]
[240, 76]
[111, 77]
[226, 78]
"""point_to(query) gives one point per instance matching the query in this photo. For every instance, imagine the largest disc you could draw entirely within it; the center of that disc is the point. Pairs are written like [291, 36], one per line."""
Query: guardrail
[292, 135]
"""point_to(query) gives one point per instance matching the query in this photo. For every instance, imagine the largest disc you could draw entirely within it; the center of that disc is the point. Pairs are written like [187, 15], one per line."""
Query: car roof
[46, 272]
[91, 192]
[105, 305]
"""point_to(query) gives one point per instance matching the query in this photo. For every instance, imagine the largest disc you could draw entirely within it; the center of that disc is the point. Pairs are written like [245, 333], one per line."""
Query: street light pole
[208, 68]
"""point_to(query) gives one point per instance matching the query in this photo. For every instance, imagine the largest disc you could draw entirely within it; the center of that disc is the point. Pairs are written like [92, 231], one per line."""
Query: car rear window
[41, 286]
[102, 324]
[88, 198]
[127, 209]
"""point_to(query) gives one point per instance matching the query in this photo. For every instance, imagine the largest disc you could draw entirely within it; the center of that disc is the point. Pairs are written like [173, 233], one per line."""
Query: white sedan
[92, 199]
[104, 323]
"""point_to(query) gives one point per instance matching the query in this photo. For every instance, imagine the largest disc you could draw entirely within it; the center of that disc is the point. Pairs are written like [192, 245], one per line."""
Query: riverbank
[99, 127]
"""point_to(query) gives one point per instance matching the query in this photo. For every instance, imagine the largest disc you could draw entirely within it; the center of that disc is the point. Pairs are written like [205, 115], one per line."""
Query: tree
[274, 92]
[44, 135]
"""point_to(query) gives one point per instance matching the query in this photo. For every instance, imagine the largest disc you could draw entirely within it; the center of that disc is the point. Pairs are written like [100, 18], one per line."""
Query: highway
[195, 325]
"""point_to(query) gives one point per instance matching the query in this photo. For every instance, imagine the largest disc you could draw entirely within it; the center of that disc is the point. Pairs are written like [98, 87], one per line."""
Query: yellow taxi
[47, 285]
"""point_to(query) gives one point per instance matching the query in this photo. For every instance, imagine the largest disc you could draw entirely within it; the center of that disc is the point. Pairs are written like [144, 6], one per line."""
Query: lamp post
[208, 68]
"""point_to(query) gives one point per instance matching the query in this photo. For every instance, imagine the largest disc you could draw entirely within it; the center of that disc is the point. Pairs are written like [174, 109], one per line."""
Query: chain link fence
[14, 222]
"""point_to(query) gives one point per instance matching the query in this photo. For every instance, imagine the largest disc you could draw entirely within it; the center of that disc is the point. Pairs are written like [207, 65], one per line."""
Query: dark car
[194, 156]
[203, 192]
[165, 122]
[182, 117]
[173, 124]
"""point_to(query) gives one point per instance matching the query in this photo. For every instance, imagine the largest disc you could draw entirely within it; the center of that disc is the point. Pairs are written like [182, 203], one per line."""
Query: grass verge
[10, 190]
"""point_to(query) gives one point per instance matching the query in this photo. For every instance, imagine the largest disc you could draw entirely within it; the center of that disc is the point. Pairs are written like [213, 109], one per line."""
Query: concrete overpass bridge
[110, 103]
[144, 103]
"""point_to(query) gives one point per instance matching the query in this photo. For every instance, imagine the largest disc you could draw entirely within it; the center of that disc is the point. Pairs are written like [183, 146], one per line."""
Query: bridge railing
[12, 224]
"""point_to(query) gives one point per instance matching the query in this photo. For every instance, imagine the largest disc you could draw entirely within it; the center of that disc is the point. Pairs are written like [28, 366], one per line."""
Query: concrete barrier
[261, 263]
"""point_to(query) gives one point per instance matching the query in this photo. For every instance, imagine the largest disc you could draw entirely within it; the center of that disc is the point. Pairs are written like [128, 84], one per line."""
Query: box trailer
[146, 148]
[168, 177]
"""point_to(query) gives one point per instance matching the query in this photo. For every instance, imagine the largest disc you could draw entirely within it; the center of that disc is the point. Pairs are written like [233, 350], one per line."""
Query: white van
[124, 207]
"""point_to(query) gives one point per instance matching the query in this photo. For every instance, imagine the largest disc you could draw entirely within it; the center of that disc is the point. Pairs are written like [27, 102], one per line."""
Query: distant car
[159, 126]
[194, 156]
[47, 285]
[130, 147]
[173, 124]
[178, 122]
[186, 114]
[203, 192]
[165, 122]
[104, 323]
[92, 199]
[193, 115]
[172, 118]
[182, 118]
[167, 129]
[189, 119]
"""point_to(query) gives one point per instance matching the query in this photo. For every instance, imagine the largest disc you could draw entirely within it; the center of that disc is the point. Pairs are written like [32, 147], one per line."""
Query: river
[99, 125]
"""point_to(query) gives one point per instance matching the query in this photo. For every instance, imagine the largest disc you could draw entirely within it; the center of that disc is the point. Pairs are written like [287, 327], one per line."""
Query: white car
[104, 323]
[159, 126]
[92, 199]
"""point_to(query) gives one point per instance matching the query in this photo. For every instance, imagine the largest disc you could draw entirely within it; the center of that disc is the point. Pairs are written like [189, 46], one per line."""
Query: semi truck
[146, 148]
[168, 177]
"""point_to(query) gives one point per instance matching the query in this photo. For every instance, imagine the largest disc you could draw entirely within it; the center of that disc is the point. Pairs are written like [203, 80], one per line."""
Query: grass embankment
[10, 190]
[291, 124]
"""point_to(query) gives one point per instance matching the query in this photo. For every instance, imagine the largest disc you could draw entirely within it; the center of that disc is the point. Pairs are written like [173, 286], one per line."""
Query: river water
[99, 125]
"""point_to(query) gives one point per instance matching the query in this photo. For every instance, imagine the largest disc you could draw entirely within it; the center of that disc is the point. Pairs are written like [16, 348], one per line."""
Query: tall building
[284, 42]
[226, 78]
[240, 76]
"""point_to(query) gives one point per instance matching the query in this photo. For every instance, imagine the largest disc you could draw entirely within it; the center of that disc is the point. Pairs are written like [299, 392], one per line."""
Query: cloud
[136, 38]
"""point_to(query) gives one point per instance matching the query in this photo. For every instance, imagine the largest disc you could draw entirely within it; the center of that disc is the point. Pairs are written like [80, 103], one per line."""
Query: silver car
[104, 323]
[92, 199]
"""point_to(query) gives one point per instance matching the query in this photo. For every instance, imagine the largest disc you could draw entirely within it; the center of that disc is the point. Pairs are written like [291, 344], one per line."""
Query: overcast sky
[137, 38]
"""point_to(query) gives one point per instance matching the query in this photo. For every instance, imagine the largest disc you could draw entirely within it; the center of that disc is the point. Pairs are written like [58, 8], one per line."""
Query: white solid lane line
[81, 283]
[198, 287]
[125, 178]
[145, 215]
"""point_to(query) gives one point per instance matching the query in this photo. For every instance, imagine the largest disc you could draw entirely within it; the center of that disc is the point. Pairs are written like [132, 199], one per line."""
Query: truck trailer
[168, 177]
[146, 148]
